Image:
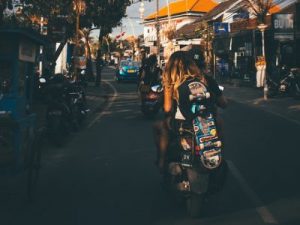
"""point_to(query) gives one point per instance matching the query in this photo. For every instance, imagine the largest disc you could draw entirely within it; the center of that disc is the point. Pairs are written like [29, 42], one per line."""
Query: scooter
[151, 99]
[295, 86]
[195, 165]
[58, 114]
[66, 108]
[282, 87]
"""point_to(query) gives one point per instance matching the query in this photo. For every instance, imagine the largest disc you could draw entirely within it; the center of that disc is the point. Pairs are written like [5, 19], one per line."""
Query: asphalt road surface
[106, 175]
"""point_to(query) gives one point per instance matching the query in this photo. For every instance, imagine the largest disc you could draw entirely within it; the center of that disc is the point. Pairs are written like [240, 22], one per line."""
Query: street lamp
[262, 27]
[79, 7]
[142, 10]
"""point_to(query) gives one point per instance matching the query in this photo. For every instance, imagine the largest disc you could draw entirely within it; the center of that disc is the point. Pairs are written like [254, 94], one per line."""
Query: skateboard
[209, 145]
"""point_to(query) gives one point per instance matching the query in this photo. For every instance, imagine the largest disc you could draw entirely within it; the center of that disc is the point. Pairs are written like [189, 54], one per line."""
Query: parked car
[128, 70]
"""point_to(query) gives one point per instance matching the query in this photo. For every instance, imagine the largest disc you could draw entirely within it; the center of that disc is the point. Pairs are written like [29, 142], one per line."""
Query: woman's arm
[167, 100]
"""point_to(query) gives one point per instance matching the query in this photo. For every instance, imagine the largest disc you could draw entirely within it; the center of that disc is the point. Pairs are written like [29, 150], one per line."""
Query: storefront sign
[221, 28]
[283, 26]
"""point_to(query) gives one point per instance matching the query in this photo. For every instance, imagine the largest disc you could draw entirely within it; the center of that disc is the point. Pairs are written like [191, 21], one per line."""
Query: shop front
[286, 40]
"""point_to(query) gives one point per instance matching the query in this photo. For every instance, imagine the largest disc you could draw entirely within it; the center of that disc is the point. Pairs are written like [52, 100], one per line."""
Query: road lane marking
[113, 98]
[262, 210]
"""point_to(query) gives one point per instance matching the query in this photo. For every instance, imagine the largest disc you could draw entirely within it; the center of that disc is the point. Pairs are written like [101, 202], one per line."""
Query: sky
[132, 24]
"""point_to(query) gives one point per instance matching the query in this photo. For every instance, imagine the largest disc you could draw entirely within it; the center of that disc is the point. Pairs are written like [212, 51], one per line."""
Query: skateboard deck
[206, 135]
[208, 141]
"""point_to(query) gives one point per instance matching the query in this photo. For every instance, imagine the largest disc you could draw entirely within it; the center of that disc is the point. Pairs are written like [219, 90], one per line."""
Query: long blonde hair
[179, 68]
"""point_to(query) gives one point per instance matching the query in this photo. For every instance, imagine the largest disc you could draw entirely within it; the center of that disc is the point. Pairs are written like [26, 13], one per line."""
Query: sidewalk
[285, 107]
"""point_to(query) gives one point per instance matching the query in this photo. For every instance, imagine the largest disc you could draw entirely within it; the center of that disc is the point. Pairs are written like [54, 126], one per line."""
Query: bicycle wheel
[34, 166]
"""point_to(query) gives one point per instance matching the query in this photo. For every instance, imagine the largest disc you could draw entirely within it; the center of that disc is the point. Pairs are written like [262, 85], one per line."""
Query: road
[106, 173]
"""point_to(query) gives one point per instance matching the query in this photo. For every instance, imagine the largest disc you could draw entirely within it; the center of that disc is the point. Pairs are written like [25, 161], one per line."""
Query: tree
[261, 8]
[60, 21]
[205, 32]
[105, 14]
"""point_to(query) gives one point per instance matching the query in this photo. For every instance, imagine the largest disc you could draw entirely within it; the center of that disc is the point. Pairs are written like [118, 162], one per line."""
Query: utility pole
[157, 33]
[41, 47]
[262, 27]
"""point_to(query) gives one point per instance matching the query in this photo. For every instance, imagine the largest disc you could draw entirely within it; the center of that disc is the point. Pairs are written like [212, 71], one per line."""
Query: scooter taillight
[152, 96]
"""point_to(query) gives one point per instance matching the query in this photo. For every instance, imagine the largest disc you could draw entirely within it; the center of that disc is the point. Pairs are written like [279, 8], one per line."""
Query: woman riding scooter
[182, 70]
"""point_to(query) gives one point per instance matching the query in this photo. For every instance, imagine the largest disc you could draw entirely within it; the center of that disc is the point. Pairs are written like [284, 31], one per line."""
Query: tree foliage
[104, 14]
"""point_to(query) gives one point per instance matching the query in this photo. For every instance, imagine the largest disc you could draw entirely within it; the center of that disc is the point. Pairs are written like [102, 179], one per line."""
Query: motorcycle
[77, 103]
[151, 99]
[195, 167]
[295, 87]
[284, 86]
[66, 108]
[58, 113]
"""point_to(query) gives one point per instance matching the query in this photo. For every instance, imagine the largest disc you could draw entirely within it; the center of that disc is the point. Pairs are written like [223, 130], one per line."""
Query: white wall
[61, 62]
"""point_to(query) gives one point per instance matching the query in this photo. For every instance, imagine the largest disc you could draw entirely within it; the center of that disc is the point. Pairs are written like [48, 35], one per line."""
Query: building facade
[171, 18]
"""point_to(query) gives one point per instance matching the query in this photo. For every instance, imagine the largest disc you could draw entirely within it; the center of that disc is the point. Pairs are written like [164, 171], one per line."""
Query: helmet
[198, 57]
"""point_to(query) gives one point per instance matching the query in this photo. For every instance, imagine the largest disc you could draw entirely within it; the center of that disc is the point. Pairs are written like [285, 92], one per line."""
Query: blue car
[128, 70]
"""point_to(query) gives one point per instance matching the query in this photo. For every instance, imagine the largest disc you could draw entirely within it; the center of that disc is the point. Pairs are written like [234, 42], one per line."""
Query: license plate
[186, 158]
[130, 71]
[150, 103]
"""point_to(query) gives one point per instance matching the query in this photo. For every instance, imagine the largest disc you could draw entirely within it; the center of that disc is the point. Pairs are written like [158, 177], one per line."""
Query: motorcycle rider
[150, 75]
[151, 71]
[181, 70]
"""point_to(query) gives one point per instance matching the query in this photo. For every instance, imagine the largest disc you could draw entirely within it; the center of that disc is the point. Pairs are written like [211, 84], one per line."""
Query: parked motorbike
[77, 103]
[195, 166]
[285, 85]
[151, 99]
[295, 87]
[66, 108]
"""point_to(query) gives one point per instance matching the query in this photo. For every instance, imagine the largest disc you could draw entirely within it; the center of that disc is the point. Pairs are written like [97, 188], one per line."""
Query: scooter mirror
[221, 88]
[42, 80]
[157, 88]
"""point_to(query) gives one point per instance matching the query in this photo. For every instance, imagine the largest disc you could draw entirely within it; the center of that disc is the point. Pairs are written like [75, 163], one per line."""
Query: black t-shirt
[151, 75]
[193, 87]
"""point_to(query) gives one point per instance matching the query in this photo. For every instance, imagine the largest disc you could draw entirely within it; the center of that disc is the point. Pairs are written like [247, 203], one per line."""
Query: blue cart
[19, 147]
